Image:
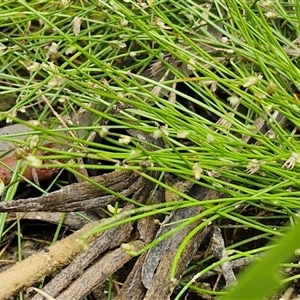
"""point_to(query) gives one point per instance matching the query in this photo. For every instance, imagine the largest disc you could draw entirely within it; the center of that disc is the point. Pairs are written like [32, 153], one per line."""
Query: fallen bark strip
[108, 240]
[169, 244]
[33, 269]
[161, 286]
[79, 196]
[219, 252]
[98, 273]
[158, 264]
[173, 242]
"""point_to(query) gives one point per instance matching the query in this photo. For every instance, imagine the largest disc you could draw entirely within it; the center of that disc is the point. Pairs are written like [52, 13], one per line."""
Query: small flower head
[260, 96]
[2, 187]
[143, 4]
[252, 80]
[132, 54]
[197, 170]
[182, 134]
[53, 52]
[113, 210]
[103, 132]
[266, 3]
[2, 47]
[34, 140]
[271, 135]
[118, 44]
[214, 87]
[233, 100]
[10, 117]
[68, 120]
[127, 247]
[158, 22]
[33, 161]
[64, 3]
[271, 15]
[76, 25]
[253, 166]
[56, 81]
[213, 174]
[63, 99]
[20, 153]
[291, 162]
[123, 22]
[271, 88]
[165, 130]
[33, 66]
[70, 50]
[151, 2]
[135, 152]
[22, 109]
[191, 64]
[114, 5]
[49, 67]
[210, 138]
[173, 283]
[35, 123]
[125, 139]
[224, 40]
[157, 134]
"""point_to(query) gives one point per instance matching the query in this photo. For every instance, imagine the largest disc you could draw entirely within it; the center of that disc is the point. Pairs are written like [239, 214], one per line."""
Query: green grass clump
[197, 74]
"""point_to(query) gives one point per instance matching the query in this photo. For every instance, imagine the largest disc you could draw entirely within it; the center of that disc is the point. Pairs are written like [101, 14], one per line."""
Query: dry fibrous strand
[133, 287]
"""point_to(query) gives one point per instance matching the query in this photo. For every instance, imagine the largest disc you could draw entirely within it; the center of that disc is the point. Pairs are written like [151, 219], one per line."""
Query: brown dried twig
[80, 196]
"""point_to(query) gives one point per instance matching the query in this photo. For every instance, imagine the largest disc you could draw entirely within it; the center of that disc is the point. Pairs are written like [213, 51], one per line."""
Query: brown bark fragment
[161, 286]
[156, 269]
